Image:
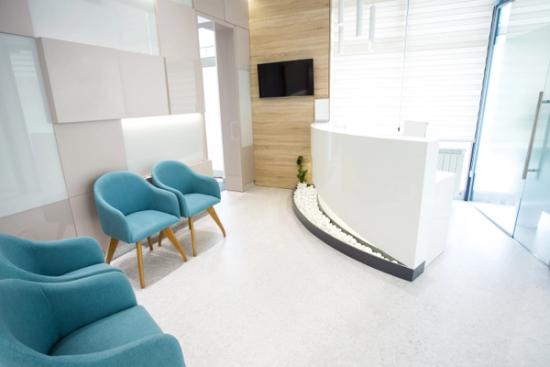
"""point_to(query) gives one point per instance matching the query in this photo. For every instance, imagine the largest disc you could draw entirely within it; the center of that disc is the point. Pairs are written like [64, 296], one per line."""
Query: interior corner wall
[286, 30]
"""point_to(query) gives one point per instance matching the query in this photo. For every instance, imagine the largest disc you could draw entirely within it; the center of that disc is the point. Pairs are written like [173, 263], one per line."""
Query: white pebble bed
[305, 198]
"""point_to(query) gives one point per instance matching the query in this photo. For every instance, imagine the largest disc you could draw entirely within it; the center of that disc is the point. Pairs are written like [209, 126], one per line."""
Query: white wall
[15, 18]
[179, 41]
[144, 39]
[231, 11]
[83, 81]
[180, 137]
[121, 24]
[144, 85]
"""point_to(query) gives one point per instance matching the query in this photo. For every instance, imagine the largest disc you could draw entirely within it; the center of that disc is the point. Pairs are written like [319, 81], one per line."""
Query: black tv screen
[287, 78]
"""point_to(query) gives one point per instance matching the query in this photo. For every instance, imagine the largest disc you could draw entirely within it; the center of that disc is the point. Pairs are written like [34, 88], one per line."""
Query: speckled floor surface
[271, 294]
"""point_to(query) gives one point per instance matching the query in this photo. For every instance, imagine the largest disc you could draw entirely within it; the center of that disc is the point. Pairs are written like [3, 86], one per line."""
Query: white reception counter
[384, 190]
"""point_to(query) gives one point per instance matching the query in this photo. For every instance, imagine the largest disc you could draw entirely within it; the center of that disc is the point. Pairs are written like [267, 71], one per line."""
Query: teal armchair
[50, 261]
[130, 209]
[196, 193]
[89, 322]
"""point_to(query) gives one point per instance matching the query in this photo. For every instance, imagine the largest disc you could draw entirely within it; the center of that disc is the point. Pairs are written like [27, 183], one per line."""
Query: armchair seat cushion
[195, 192]
[147, 222]
[109, 333]
[88, 271]
[197, 203]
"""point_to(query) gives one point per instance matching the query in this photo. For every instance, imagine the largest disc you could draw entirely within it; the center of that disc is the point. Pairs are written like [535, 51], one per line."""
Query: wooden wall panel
[286, 30]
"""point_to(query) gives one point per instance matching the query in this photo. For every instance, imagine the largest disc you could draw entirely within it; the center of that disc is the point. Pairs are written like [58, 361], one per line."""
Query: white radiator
[452, 160]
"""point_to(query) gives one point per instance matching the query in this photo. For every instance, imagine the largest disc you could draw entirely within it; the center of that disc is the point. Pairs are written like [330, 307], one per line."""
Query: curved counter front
[384, 190]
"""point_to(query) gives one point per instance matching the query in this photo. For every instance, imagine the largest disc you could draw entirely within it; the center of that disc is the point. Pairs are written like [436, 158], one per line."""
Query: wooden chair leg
[140, 264]
[160, 238]
[214, 216]
[111, 250]
[150, 243]
[172, 237]
[192, 230]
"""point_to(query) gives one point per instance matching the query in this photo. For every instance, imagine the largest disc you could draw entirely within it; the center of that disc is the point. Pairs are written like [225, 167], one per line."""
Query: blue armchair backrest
[15, 254]
[124, 191]
[175, 174]
[26, 319]
[34, 316]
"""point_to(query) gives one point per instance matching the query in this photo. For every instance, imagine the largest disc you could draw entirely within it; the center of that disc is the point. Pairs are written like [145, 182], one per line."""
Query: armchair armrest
[60, 257]
[80, 302]
[206, 185]
[164, 201]
[159, 350]
[113, 222]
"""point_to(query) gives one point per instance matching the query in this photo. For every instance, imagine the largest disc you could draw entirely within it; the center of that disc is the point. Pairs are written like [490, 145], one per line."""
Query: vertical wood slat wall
[286, 30]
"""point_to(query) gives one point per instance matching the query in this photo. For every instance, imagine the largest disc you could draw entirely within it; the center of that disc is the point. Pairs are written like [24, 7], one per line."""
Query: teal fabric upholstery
[195, 192]
[89, 322]
[130, 209]
[143, 223]
[50, 261]
[132, 323]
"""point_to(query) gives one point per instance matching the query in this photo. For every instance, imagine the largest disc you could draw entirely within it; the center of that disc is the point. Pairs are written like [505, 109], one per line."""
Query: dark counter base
[388, 267]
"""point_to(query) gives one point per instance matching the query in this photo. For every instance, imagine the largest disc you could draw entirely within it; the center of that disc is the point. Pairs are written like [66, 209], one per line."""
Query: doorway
[212, 116]
[223, 99]
[511, 167]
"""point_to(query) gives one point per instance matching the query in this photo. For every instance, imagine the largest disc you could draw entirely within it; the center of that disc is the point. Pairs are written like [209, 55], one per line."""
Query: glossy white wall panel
[149, 140]
[322, 110]
[29, 160]
[184, 2]
[247, 156]
[236, 12]
[15, 17]
[383, 188]
[85, 218]
[48, 222]
[177, 30]
[179, 44]
[84, 81]
[242, 49]
[143, 84]
[215, 8]
[204, 168]
[229, 108]
[89, 149]
[121, 24]
[245, 108]
[183, 86]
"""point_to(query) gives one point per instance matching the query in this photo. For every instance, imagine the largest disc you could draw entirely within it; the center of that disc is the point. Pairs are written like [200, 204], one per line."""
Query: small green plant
[302, 173]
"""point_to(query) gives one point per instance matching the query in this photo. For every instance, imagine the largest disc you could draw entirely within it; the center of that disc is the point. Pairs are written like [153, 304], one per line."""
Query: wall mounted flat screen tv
[287, 78]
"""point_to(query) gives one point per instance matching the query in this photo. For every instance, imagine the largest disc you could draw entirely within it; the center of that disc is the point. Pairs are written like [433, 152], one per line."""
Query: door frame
[497, 12]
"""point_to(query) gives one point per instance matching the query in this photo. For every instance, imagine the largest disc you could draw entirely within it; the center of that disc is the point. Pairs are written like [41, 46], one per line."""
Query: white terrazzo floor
[271, 294]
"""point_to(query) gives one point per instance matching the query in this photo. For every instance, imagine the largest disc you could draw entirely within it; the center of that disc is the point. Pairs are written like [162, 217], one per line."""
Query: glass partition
[394, 61]
[511, 184]
[29, 161]
[533, 222]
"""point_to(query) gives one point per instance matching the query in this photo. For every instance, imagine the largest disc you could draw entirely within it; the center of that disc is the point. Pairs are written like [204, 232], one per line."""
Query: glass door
[533, 222]
[511, 180]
